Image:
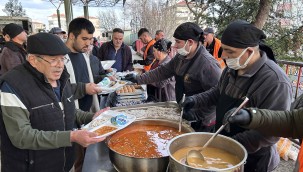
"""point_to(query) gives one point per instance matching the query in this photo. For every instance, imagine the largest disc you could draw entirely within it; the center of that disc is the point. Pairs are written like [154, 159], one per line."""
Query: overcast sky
[39, 10]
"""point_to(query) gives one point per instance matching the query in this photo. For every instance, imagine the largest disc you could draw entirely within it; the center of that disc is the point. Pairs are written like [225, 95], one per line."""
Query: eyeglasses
[54, 62]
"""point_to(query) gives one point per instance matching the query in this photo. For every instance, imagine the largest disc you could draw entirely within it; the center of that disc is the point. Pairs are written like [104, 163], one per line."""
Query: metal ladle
[196, 155]
[180, 122]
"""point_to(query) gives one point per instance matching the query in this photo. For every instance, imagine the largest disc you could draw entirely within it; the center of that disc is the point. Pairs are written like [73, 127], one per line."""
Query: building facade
[53, 22]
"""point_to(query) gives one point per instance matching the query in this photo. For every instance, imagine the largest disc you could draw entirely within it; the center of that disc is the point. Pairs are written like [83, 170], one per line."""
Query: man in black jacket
[13, 52]
[38, 112]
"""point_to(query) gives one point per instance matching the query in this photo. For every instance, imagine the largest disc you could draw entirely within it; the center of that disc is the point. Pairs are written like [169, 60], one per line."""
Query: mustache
[58, 69]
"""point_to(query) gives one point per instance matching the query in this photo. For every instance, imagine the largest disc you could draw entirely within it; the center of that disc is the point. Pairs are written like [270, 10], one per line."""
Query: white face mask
[182, 50]
[234, 63]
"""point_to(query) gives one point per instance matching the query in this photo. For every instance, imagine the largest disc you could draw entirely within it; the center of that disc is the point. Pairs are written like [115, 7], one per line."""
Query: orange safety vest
[300, 158]
[151, 43]
[216, 51]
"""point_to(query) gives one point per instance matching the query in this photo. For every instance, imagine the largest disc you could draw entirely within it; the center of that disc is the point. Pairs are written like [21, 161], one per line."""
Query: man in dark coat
[13, 52]
[117, 50]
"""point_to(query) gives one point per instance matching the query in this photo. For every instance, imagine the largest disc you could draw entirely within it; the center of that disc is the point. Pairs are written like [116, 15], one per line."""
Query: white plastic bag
[287, 149]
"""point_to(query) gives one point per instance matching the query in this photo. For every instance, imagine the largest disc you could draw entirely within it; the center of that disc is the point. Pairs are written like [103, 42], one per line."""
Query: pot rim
[206, 133]
[143, 120]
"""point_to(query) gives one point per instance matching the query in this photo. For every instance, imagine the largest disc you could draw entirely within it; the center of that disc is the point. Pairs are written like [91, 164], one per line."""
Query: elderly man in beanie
[250, 72]
[13, 52]
[195, 71]
[38, 111]
[213, 45]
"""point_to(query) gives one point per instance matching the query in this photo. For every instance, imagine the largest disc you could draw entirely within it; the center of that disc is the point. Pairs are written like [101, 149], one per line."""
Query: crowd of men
[48, 88]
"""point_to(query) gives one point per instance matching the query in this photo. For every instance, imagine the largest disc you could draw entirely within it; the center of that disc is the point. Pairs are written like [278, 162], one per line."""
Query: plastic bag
[287, 149]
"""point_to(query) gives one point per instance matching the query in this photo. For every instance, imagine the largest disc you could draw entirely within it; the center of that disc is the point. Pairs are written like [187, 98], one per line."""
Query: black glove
[189, 115]
[135, 61]
[242, 117]
[188, 103]
[131, 77]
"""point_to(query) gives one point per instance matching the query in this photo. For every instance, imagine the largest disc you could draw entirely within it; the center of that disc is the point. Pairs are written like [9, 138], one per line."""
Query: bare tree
[199, 9]
[153, 15]
[109, 20]
[14, 8]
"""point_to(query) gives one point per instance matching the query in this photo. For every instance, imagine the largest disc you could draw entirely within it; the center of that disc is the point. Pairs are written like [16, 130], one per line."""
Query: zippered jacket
[35, 127]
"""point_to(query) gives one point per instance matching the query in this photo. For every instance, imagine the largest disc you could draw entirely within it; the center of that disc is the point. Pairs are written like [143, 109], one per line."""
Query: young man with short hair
[148, 56]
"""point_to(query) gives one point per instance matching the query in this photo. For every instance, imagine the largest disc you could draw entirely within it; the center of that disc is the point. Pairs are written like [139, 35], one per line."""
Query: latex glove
[188, 103]
[131, 77]
[84, 137]
[189, 115]
[242, 117]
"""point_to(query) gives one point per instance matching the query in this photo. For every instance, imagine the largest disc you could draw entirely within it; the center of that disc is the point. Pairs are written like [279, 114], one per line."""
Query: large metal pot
[199, 139]
[124, 163]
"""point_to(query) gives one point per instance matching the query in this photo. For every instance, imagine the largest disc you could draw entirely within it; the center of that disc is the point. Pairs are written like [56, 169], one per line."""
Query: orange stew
[104, 130]
[143, 141]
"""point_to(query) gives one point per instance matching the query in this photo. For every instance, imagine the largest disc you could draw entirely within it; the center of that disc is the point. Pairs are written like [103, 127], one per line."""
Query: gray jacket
[270, 89]
[166, 88]
[203, 74]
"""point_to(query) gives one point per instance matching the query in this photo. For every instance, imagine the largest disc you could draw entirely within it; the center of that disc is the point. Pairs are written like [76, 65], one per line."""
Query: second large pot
[124, 163]
[200, 138]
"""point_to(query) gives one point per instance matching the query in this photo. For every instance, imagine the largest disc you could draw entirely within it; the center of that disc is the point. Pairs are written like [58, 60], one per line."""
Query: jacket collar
[14, 46]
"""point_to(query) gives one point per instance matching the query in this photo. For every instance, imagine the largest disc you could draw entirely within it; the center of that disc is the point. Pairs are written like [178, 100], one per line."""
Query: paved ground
[285, 166]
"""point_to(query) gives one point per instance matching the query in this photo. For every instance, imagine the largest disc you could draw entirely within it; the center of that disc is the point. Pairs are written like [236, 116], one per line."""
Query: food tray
[139, 96]
[123, 74]
[109, 89]
[107, 64]
[138, 91]
[154, 106]
[104, 120]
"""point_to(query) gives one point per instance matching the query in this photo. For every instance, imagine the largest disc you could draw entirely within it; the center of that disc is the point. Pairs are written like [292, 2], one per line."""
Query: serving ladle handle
[223, 126]
[180, 122]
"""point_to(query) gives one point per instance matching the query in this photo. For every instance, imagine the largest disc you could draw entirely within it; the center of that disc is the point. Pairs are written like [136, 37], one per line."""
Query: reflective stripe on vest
[151, 43]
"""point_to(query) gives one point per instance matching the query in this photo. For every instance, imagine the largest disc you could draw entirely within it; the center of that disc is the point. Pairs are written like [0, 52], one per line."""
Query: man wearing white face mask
[195, 71]
[251, 72]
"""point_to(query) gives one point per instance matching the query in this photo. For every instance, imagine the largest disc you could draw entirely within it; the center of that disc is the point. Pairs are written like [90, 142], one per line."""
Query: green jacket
[278, 123]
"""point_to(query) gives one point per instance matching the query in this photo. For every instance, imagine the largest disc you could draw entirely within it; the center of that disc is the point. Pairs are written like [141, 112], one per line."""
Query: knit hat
[12, 30]
[46, 44]
[56, 30]
[241, 34]
[163, 45]
[187, 31]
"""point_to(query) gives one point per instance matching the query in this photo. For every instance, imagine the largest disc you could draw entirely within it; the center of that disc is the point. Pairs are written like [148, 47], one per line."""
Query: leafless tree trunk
[263, 13]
